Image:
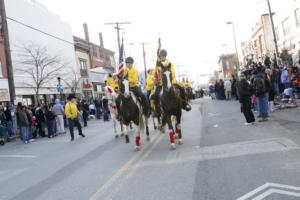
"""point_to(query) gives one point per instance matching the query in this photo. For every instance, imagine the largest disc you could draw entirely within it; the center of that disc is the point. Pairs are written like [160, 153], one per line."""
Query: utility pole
[273, 30]
[144, 56]
[236, 51]
[9, 68]
[117, 27]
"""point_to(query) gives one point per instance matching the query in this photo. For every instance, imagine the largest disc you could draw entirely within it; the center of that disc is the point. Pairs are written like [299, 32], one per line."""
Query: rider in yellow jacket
[162, 66]
[188, 83]
[131, 74]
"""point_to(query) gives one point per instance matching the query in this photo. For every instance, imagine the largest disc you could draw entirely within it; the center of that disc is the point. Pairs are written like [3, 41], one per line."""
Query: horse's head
[124, 88]
[166, 79]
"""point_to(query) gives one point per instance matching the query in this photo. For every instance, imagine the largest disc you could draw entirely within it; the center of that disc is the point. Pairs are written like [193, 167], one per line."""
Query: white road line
[119, 173]
[285, 186]
[6, 175]
[18, 156]
[277, 191]
[269, 185]
[253, 192]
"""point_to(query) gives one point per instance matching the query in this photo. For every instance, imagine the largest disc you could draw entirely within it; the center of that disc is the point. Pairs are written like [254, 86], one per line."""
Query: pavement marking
[134, 168]
[8, 174]
[18, 156]
[216, 126]
[213, 114]
[272, 189]
[276, 191]
[146, 150]
[229, 150]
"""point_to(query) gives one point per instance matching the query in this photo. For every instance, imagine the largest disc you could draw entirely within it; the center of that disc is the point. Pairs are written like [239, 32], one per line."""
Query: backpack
[260, 86]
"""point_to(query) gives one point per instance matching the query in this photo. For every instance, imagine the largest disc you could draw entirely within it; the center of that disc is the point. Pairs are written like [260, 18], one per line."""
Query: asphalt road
[221, 159]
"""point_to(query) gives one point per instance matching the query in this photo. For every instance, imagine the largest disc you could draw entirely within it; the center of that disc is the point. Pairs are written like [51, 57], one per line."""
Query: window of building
[83, 64]
[95, 52]
[297, 17]
[286, 26]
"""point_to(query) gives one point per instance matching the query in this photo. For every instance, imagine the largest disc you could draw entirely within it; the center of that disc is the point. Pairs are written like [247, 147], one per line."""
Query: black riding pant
[139, 94]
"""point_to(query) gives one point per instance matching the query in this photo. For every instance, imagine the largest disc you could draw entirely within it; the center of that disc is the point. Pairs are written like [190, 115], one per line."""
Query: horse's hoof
[122, 134]
[137, 148]
[173, 146]
[116, 136]
[180, 141]
[148, 139]
[155, 127]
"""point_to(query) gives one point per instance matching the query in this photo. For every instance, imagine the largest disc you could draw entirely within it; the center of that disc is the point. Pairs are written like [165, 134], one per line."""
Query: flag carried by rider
[121, 59]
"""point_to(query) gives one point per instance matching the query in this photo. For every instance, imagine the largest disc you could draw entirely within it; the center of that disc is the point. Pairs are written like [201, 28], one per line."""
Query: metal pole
[273, 30]
[9, 67]
[236, 51]
[144, 55]
[118, 36]
[117, 24]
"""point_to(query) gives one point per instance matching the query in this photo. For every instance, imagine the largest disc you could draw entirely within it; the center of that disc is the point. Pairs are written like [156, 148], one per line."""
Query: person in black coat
[245, 93]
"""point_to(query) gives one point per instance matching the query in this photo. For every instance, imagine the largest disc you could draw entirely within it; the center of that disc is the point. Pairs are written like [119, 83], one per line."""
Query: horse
[189, 92]
[131, 111]
[112, 95]
[171, 104]
[156, 116]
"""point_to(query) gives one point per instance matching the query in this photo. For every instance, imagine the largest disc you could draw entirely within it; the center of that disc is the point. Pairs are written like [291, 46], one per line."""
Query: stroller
[3, 135]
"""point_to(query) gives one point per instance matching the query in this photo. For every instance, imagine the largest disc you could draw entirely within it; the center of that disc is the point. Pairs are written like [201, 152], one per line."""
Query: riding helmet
[129, 60]
[163, 53]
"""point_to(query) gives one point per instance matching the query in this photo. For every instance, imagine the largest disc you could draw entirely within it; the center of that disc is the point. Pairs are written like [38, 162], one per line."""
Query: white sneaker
[247, 124]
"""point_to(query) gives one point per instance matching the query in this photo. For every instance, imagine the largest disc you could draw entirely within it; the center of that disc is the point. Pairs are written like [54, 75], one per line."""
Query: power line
[38, 30]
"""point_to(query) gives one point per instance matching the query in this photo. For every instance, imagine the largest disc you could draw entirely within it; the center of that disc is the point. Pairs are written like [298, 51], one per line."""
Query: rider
[112, 82]
[163, 64]
[131, 74]
[182, 83]
[149, 83]
[188, 84]
[150, 88]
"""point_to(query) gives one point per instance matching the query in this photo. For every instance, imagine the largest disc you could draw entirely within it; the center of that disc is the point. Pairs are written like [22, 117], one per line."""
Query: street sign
[4, 94]
[269, 189]
[60, 88]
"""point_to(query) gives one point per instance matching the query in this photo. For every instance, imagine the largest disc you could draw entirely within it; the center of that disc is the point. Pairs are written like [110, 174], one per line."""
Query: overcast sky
[192, 31]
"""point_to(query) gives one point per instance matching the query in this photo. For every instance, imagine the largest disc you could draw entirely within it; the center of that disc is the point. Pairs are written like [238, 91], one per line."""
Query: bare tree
[74, 83]
[40, 65]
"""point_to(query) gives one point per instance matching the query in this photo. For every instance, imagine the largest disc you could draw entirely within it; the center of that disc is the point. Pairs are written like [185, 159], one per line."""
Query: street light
[59, 87]
[236, 51]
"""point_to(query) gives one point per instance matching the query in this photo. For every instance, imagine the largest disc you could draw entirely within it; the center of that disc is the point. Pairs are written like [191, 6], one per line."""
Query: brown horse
[171, 104]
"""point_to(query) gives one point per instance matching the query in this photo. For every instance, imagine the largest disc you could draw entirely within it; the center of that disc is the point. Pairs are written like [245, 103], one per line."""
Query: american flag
[121, 59]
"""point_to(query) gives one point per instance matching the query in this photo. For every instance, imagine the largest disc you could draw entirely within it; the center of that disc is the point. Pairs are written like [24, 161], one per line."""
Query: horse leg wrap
[172, 139]
[177, 129]
[138, 141]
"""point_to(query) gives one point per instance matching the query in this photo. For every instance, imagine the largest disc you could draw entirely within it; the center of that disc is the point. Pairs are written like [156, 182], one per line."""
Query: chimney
[101, 40]
[86, 32]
